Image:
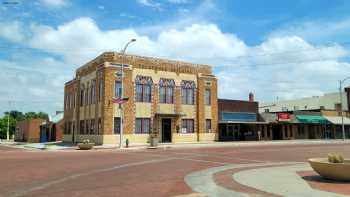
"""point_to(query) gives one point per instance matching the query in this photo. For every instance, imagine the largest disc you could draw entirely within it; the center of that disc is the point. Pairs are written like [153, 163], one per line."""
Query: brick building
[240, 120]
[175, 100]
[28, 130]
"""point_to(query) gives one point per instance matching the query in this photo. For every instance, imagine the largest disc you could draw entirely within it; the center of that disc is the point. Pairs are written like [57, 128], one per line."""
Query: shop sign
[283, 116]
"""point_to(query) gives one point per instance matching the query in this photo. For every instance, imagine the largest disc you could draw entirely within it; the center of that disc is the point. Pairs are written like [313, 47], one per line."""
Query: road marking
[75, 176]
[203, 182]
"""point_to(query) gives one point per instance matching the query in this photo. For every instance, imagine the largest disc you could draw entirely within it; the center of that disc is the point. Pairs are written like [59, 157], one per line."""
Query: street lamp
[122, 93]
[341, 104]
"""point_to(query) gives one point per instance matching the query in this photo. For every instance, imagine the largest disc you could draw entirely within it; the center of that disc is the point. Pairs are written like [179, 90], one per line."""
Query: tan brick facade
[105, 68]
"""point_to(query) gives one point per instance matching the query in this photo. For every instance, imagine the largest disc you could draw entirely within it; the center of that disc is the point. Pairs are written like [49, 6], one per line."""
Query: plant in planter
[86, 145]
[335, 167]
[154, 139]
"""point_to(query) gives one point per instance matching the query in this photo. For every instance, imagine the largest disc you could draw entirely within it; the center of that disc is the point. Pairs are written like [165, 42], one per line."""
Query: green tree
[42, 115]
[30, 115]
[3, 126]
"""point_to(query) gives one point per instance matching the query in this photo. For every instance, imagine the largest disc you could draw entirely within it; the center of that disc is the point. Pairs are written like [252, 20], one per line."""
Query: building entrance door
[166, 130]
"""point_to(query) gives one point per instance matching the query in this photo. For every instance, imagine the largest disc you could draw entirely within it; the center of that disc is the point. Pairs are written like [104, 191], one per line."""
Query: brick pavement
[134, 172]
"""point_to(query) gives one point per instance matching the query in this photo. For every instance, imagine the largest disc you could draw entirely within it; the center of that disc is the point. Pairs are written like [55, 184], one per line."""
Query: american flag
[119, 100]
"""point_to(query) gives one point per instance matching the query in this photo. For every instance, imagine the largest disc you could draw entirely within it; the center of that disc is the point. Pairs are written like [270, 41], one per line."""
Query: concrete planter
[154, 141]
[86, 146]
[333, 171]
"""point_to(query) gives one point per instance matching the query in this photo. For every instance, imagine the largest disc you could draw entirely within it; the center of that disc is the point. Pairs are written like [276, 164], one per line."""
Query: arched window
[187, 92]
[166, 90]
[143, 88]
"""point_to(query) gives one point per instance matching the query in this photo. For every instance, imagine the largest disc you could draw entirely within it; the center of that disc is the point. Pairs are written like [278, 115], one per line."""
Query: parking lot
[256, 170]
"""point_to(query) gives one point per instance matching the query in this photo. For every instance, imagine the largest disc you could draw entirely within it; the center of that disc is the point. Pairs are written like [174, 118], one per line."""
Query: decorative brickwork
[104, 69]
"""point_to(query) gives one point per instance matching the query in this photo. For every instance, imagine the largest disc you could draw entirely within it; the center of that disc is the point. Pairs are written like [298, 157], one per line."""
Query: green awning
[312, 119]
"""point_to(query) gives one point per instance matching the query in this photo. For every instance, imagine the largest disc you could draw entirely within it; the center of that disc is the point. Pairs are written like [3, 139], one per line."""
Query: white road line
[75, 176]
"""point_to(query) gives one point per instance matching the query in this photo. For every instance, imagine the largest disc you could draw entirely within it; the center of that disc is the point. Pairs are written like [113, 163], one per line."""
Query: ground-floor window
[142, 125]
[116, 125]
[187, 125]
[208, 125]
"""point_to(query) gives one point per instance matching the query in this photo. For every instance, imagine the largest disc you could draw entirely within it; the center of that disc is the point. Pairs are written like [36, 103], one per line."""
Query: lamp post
[122, 93]
[341, 105]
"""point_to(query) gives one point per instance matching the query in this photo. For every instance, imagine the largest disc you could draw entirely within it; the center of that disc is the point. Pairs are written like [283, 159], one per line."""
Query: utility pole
[122, 94]
[8, 124]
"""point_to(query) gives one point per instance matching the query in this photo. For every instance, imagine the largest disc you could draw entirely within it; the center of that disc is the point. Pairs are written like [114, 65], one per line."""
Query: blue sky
[284, 49]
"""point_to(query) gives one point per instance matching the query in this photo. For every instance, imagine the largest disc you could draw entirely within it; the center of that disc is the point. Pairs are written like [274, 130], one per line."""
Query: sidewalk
[69, 146]
[224, 144]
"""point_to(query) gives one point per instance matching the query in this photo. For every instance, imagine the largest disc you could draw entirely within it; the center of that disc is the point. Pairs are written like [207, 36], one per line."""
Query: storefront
[335, 128]
[239, 126]
[313, 126]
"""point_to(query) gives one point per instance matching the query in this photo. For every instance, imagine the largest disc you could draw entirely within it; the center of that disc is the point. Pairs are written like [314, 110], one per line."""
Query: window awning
[238, 116]
[240, 122]
[337, 120]
[315, 119]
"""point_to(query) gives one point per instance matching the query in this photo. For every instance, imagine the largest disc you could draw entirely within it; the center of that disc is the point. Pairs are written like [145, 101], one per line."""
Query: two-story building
[173, 99]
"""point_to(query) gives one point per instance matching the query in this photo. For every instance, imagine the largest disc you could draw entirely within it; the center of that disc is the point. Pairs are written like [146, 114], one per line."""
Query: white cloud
[54, 3]
[150, 3]
[281, 66]
[12, 31]
[81, 39]
[317, 30]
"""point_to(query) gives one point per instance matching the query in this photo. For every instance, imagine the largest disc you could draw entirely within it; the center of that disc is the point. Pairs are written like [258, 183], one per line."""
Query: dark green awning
[312, 119]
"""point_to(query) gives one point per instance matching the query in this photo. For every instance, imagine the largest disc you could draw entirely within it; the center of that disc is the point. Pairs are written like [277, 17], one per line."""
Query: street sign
[119, 100]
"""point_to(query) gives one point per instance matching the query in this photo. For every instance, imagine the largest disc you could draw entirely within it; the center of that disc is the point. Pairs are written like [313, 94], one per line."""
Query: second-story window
[118, 89]
[187, 92]
[207, 97]
[166, 91]
[143, 86]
